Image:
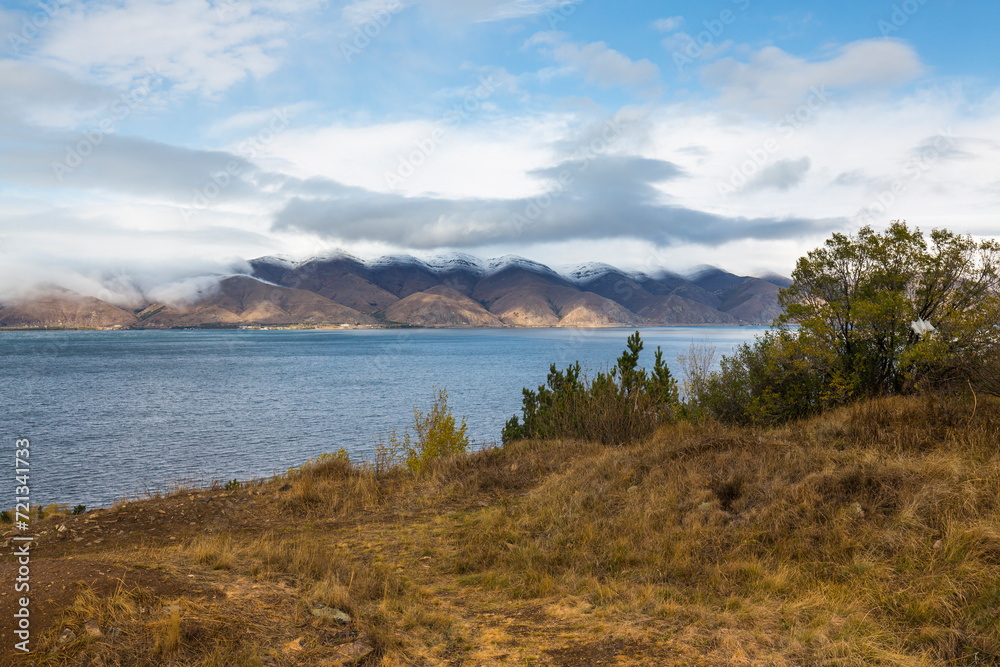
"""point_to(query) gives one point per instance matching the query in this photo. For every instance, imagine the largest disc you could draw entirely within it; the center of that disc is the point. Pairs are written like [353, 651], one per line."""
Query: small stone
[355, 650]
[332, 613]
[62, 528]
[939, 545]
[92, 629]
[293, 646]
[286, 487]
[633, 488]
[66, 637]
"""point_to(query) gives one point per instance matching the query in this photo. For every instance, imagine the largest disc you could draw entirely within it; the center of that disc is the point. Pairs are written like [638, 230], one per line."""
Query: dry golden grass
[867, 536]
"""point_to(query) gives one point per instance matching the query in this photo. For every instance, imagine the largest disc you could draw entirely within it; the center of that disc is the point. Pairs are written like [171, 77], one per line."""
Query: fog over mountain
[452, 290]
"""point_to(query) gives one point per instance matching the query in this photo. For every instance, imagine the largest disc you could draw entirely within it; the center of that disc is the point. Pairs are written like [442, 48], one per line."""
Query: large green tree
[896, 308]
[878, 313]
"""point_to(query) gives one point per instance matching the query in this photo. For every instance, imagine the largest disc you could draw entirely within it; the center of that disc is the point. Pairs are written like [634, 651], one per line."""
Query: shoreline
[337, 327]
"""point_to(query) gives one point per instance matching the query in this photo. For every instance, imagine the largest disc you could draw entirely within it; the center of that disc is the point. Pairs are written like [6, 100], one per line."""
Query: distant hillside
[244, 300]
[61, 308]
[453, 290]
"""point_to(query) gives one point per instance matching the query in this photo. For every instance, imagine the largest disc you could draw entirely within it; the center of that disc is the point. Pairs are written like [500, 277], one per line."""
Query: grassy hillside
[867, 536]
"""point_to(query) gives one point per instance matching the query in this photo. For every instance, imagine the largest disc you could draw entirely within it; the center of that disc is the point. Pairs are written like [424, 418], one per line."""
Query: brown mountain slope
[755, 301]
[524, 297]
[244, 300]
[675, 309]
[586, 309]
[64, 308]
[343, 279]
[355, 292]
[403, 278]
[646, 292]
[441, 307]
[525, 307]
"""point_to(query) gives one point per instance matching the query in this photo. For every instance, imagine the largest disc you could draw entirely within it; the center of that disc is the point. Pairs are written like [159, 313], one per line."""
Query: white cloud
[776, 81]
[360, 12]
[668, 24]
[197, 46]
[42, 96]
[601, 64]
[499, 10]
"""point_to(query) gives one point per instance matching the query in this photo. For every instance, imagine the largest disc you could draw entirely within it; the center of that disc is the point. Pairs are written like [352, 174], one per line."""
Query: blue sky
[147, 147]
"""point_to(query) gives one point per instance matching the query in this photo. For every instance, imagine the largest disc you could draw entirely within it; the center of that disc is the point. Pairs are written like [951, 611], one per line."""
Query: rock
[356, 650]
[67, 636]
[286, 487]
[939, 545]
[92, 629]
[62, 528]
[294, 646]
[633, 488]
[332, 613]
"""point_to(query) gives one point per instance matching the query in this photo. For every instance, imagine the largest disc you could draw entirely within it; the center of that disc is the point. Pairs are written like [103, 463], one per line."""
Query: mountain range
[449, 291]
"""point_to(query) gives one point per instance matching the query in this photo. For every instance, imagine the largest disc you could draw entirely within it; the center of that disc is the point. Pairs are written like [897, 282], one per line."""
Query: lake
[113, 414]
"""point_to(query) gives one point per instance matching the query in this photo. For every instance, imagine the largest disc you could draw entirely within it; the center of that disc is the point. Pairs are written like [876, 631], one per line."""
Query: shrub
[779, 376]
[437, 436]
[620, 406]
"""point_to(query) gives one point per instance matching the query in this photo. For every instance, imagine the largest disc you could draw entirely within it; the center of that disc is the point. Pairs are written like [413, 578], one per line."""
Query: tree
[877, 314]
[868, 298]
[620, 406]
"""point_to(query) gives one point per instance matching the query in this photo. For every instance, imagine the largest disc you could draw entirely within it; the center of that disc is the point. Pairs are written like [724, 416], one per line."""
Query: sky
[147, 147]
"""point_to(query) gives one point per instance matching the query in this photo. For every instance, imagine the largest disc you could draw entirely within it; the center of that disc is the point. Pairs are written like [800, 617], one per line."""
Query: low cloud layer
[605, 197]
[782, 175]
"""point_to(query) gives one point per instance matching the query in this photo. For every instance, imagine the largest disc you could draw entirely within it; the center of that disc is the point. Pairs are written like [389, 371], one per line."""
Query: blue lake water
[112, 414]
